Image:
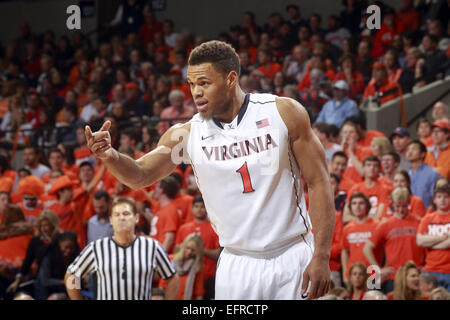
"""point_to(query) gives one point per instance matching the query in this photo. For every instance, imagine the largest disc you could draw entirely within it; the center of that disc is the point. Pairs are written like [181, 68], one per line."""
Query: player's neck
[124, 238]
[233, 109]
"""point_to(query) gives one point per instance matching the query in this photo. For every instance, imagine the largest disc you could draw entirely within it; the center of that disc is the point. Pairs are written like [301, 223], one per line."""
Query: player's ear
[232, 79]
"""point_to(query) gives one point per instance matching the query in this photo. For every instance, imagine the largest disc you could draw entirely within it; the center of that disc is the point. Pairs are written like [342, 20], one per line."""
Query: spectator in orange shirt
[166, 220]
[267, 68]
[30, 190]
[356, 233]
[398, 237]
[56, 160]
[201, 226]
[434, 231]
[382, 89]
[408, 16]
[68, 211]
[355, 153]
[371, 187]
[438, 155]
[384, 36]
[423, 130]
[353, 77]
[338, 165]
[416, 206]
[178, 84]
[407, 283]
[389, 164]
[188, 262]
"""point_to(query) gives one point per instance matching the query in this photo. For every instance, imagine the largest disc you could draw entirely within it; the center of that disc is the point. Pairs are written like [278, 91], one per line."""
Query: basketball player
[246, 152]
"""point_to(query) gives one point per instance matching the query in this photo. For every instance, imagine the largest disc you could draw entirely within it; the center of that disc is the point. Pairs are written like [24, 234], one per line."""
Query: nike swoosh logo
[204, 138]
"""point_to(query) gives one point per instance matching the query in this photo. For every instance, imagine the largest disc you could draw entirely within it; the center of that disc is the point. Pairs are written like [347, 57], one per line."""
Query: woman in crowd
[407, 283]
[357, 284]
[61, 253]
[188, 262]
[47, 229]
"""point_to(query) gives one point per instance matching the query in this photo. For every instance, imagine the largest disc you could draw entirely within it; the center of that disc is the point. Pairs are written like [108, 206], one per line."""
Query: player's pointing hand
[100, 141]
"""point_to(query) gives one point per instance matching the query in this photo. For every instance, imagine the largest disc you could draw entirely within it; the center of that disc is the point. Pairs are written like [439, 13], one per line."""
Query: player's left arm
[310, 157]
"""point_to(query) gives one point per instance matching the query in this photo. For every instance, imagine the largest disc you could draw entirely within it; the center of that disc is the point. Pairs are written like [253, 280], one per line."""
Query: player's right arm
[148, 169]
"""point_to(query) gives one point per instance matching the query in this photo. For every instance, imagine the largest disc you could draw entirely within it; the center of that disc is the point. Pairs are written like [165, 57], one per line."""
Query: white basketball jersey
[249, 178]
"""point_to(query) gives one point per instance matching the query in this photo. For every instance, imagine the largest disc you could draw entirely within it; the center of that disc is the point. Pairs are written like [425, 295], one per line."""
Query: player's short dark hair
[119, 200]
[362, 196]
[102, 194]
[339, 154]
[220, 54]
[198, 198]
[394, 155]
[372, 159]
[170, 186]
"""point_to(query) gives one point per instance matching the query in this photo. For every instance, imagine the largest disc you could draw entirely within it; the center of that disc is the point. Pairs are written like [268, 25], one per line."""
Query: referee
[124, 263]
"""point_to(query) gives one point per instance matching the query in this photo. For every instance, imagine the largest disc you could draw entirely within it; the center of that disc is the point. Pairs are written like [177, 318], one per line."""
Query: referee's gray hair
[176, 94]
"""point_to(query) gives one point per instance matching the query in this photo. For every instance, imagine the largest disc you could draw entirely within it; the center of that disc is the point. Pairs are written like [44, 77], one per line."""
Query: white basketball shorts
[243, 277]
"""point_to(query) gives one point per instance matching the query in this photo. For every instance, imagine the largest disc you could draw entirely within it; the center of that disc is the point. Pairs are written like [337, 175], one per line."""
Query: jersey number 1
[245, 178]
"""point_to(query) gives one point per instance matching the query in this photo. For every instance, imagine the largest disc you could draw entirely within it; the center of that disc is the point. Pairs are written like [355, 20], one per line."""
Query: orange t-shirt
[184, 203]
[270, 72]
[210, 241]
[351, 172]
[389, 185]
[377, 194]
[70, 219]
[441, 163]
[370, 134]
[416, 207]
[15, 248]
[355, 236]
[436, 224]
[398, 237]
[166, 219]
[336, 243]
[346, 184]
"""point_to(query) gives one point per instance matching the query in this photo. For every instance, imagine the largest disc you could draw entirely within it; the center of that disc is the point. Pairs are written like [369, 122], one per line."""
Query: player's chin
[205, 114]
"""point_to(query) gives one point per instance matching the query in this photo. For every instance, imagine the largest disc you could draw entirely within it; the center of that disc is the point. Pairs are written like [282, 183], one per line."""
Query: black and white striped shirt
[123, 273]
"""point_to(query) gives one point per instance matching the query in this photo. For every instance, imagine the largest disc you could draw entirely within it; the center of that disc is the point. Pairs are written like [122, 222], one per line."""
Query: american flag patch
[262, 123]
